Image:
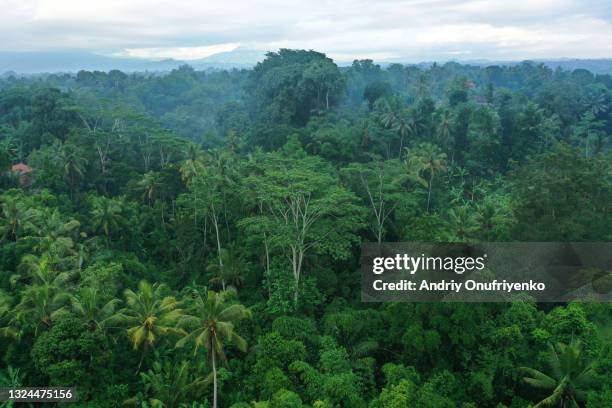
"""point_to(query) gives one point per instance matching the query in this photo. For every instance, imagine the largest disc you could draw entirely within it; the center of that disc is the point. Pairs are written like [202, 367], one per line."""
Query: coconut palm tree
[12, 378]
[106, 216]
[596, 102]
[444, 128]
[426, 158]
[6, 301]
[170, 385]
[45, 295]
[193, 166]
[148, 315]
[53, 233]
[400, 121]
[211, 324]
[88, 305]
[72, 164]
[571, 375]
[149, 186]
[230, 271]
[41, 269]
[194, 163]
[462, 223]
[15, 219]
[40, 306]
[492, 214]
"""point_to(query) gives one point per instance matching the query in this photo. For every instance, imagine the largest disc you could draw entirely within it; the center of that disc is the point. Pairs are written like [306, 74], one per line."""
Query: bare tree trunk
[295, 275]
[298, 257]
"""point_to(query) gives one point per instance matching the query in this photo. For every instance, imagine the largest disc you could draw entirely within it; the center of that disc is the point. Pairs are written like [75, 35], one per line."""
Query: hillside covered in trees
[192, 239]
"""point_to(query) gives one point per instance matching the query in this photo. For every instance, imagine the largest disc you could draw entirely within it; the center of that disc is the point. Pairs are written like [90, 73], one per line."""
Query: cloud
[345, 29]
[180, 53]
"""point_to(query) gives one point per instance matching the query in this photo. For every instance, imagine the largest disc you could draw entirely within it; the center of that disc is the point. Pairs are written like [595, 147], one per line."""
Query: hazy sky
[409, 30]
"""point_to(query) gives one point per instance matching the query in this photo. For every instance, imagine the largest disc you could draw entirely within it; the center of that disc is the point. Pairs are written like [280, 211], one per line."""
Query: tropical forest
[192, 238]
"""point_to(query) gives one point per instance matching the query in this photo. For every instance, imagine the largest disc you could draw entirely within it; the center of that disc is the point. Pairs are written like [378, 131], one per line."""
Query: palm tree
[400, 121]
[212, 325]
[106, 215]
[193, 164]
[15, 219]
[40, 305]
[72, 164]
[462, 223]
[192, 167]
[32, 268]
[486, 215]
[53, 233]
[220, 176]
[490, 215]
[571, 374]
[41, 270]
[149, 185]
[89, 306]
[5, 312]
[230, 270]
[406, 127]
[171, 385]
[11, 378]
[149, 315]
[7, 152]
[426, 158]
[45, 295]
[595, 102]
[444, 128]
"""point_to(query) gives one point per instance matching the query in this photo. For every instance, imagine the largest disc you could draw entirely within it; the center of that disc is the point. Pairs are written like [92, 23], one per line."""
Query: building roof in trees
[21, 168]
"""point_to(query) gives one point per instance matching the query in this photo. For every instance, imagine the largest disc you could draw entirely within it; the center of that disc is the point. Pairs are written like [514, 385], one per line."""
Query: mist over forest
[191, 238]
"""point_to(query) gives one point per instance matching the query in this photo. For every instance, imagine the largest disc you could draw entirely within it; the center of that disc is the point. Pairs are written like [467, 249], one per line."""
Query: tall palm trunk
[216, 225]
[214, 368]
[267, 265]
[142, 356]
[431, 174]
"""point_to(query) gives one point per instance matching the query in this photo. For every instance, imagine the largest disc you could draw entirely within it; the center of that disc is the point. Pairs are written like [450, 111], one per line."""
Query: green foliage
[148, 316]
[399, 395]
[295, 328]
[210, 322]
[285, 399]
[571, 376]
[171, 385]
[72, 356]
[164, 209]
[273, 350]
[289, 84]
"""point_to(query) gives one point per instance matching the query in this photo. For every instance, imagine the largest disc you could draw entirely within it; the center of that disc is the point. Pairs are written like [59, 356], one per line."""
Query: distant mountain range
[73, 61]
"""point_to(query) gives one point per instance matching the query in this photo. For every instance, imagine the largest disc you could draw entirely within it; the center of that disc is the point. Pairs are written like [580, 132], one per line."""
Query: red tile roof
[21, 167]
